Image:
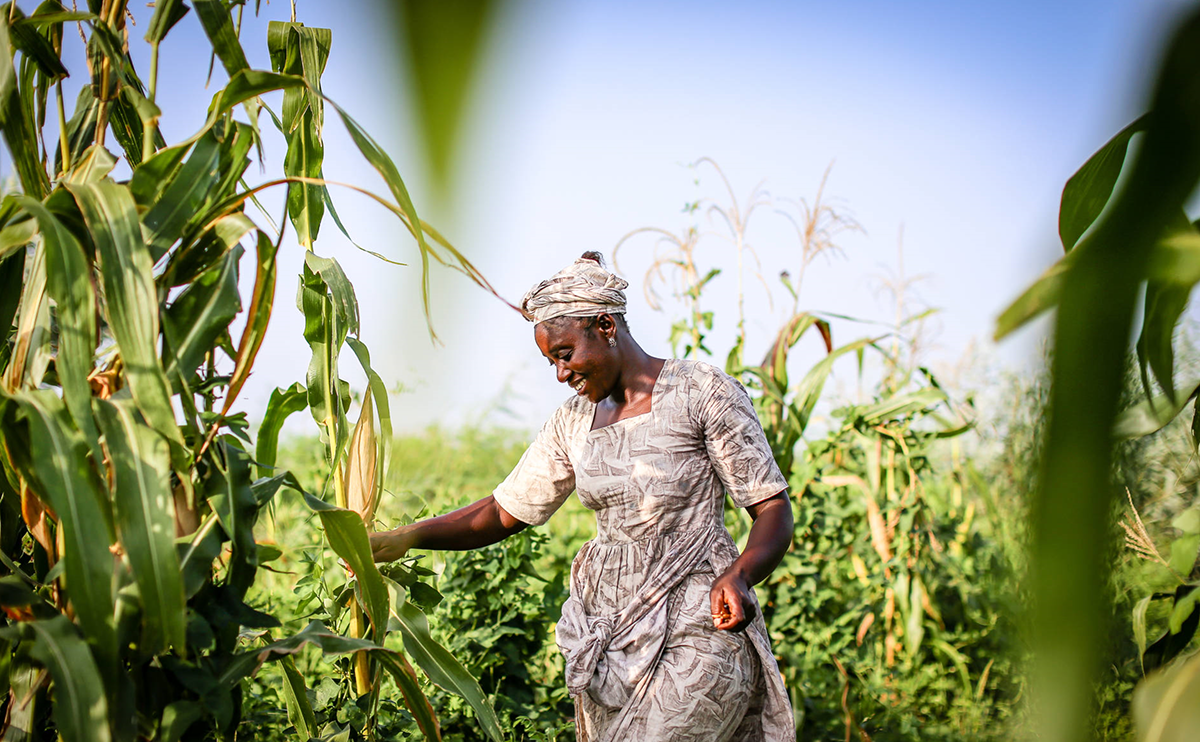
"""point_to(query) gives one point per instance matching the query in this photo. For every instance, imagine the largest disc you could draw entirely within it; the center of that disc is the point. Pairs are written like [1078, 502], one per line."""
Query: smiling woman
[662, 636]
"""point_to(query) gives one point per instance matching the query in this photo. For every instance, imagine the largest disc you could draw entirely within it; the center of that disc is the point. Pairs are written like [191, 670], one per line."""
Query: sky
[949, 128]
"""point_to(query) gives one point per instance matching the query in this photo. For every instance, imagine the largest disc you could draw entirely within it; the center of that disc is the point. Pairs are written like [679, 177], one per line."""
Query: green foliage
[128, 494]
[1135, 236]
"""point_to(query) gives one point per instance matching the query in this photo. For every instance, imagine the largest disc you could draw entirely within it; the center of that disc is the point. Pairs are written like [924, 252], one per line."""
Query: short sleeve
[737, 446]
[542, 480]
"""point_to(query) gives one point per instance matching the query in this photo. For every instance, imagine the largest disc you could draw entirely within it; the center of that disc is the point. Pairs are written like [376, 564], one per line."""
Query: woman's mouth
[578, 386]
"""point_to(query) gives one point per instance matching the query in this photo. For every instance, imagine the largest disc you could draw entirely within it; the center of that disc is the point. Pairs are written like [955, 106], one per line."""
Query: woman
[661, 635]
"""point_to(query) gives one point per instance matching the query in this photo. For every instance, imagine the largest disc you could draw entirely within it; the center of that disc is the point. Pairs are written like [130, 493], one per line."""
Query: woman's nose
[562, 372]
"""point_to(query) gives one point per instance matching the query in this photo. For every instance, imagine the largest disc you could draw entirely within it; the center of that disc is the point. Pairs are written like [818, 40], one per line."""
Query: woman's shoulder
[701, 376]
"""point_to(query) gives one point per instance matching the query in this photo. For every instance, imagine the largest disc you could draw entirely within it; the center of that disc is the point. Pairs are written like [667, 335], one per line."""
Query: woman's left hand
[732, 604]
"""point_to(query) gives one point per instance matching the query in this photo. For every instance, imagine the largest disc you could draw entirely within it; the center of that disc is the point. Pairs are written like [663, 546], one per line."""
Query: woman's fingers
[732, 611]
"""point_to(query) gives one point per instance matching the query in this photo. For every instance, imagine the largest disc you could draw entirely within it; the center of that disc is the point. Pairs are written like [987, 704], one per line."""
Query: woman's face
[582, 358]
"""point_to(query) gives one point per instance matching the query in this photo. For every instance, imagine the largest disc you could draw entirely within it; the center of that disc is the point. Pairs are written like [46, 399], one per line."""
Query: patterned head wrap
[582, 289]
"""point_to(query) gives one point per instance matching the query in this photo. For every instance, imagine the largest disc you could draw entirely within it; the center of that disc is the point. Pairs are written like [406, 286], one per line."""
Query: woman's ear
[606, 324]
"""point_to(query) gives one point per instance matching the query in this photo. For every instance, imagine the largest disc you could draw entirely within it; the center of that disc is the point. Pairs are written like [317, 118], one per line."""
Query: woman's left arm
[770, 537]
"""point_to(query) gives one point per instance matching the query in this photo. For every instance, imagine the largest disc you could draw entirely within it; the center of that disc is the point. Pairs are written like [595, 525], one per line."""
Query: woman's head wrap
[582, 289]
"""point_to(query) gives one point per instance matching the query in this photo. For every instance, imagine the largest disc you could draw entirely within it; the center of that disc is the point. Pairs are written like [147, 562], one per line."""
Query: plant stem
[62, 128]
[151, 127]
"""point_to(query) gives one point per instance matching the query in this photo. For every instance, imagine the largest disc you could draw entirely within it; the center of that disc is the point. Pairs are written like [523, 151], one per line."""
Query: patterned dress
[643, 660]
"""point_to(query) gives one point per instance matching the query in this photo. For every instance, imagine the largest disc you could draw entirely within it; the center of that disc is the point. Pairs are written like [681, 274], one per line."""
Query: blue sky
[952, 123]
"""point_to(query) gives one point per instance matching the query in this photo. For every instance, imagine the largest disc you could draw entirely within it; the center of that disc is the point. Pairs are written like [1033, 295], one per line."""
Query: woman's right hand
[388, 546]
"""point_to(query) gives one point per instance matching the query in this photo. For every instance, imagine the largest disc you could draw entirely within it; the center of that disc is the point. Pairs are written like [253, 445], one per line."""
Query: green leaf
[1166, 705]
[15, 237]
[348, 537]
[441, 666]
[257, 318]
[144, 512]
[226, 484]
[16, 124]
[1090, 188]
[379, 159]
[80, 708]
[58, 464]
[201, 314]
[130, 295]
[177, 717]
[31, 353]
[295, 698]
[1153, 414]
[35, 46]
[1139, 625]
[166, 14]
[808, 391]
[68, 281]
[196, 554]
[183, 196]
[81, 129]
[414, 698]
[445, 43]
[902, 404]
[1186, 605]
[283, 402]
[245, 663]
[1183, 556]
[218, 26]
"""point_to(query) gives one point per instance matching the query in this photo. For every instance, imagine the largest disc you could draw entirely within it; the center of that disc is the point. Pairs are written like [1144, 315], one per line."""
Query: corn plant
[131, 485]
[1120, 234]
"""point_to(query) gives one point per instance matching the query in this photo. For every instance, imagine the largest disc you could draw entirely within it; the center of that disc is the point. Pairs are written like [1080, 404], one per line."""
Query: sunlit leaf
[144, 512]
[80, 708]
[130, 294]
[1090, 188]
[282, 403]
[262, 300]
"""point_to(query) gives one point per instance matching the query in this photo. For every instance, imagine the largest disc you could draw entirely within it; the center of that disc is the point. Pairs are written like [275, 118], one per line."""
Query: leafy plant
[1117, 239]
[130, 495]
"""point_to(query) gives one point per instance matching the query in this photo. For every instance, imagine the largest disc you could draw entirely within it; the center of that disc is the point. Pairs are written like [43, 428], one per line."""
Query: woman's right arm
[479, 524]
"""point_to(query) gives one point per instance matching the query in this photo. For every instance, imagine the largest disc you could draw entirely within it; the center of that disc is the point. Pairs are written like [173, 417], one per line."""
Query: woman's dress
[643, 660]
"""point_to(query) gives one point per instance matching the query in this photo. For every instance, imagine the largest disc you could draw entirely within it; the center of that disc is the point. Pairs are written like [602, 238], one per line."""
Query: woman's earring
[612, 342]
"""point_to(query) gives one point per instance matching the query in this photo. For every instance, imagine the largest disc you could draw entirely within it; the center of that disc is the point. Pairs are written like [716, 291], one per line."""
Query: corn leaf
[31, 353]
[166, 14]
[81, 129]
[441, 666]
[218, 26]
[68, 282]
[144, 512]
[282, 403]
[257, 319]
[182, 198]
[200, 314]
[379, 159]
[59, 466]
[1152, 414]
[348, 537]
[80, 708]
[130, 294]
[295, 698]
[226, 484]
[1088, 191]
[16, 123]
[414, 698]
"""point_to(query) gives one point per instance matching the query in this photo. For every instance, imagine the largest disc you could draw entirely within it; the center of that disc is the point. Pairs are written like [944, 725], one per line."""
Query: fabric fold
[606, 656]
